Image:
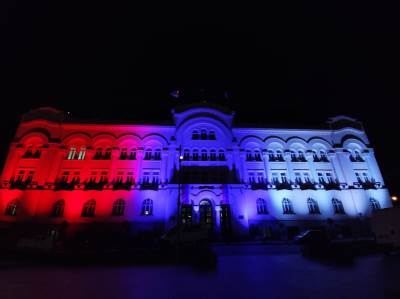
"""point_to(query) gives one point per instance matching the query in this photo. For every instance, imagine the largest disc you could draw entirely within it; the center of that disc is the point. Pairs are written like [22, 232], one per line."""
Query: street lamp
[178, 217]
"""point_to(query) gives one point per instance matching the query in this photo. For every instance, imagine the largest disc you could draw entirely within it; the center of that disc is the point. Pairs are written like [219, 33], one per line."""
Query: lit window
[82, 153]
[72, 153]
[221, 155]
[147, 207]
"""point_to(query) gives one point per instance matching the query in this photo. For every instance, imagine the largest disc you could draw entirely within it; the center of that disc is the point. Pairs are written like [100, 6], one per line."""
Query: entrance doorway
[206, 214]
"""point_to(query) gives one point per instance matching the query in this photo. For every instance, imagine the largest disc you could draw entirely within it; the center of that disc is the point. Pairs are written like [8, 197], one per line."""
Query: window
[157, 154]
[98, 154]
[221, 155]
[374, 204]
[297, 176]
[203, 134]
[107, 155]
[132, 154]
[124, 154]
[82, 153]
[257, 155]
[279, 155]
[204, 156]
[287, 206]
[89, 208]
[213, 155]
[147, 207]
[323, 156]
[12, 207]
[261, 206]
[337, 206]
[186, 212]
[118, 208]
[211, 135]
[249, 156]
[195, 135]
[186, 154]
[71, 153]
[65, 177]
[271, 156]
[275, 178]
[301, 157]
[283, 177]
[58, 208]
[195, 154]
[147, 154]
[313, 207]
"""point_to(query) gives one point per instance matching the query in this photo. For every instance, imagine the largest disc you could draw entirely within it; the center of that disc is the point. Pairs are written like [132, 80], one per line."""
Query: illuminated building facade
[236, 181]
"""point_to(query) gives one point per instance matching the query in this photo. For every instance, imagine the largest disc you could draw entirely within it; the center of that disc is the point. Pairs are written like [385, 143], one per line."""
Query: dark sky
[282, 63]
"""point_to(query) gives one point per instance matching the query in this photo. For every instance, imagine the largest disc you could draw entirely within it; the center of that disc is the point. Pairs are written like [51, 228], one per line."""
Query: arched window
[118, 208]
[213, 155]
[195, 154]
[261, 206]
[279, 155]
[313, 207]
[257, 155]
[287, 206]
[29, 152]
[186, 154]
[221, 155]
[211, 135]
[203, 134]
[107, 155]
[89, 208]
[124, 154]
[58, 208]
[375, 205]
[132, 154]
[195, 135]
[82, 153]
[323, 156]
[301, 156]
[249, 156]
[204, 156]
[147, 207]
[157, 154]
[271, 155]
[337, 206]
[71, 153]
[147, 155]
[98, 154]
[12, 207]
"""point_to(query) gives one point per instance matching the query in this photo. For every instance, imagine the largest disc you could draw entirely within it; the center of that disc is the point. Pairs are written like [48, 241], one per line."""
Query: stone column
[288, 158]
[336, 167]
[139, 158]
[310, 161]
[265, 158]
[343, 157]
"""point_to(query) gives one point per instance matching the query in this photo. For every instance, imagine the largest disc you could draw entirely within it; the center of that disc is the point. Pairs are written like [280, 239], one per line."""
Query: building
[236, 181]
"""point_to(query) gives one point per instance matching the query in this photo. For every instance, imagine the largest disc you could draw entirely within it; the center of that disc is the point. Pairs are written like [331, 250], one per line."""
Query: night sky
[282, 64]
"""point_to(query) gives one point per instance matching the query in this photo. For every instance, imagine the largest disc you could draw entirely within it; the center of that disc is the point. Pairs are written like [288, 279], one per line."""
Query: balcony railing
[149, 186]
[93, 185]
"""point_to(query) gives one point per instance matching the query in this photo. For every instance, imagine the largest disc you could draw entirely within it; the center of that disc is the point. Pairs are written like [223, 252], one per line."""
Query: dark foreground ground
[242, 271]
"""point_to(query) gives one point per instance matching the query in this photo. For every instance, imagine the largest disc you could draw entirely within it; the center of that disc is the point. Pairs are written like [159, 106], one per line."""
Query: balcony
[122, 185]
[259, 185]
[283, 185]
[92, 185]
[149, 186]
[19, 184]
[62, 185]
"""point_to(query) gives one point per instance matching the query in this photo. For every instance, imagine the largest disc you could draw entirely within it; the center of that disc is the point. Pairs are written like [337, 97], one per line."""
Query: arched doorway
[206, 214]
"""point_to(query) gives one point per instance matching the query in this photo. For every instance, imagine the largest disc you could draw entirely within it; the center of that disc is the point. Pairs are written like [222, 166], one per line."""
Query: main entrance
[206, 214]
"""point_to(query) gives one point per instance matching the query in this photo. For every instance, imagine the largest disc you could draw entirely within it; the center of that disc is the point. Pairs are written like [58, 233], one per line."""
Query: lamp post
[178, 217]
